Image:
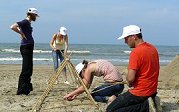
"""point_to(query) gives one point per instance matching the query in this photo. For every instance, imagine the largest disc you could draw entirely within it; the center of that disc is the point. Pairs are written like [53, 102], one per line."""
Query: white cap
[63, 31]
[79, 67]
[33, 10]
[130, 30]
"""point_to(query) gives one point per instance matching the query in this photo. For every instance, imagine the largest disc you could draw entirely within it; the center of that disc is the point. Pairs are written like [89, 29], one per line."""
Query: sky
[94, 21]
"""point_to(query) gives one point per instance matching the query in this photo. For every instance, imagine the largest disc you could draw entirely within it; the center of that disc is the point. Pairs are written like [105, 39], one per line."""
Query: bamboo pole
[84, 86]
[73, 76]
[53, 78]
[49, 87]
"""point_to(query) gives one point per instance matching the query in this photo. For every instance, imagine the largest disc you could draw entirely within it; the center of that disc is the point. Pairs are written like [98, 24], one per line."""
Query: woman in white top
[59, 45]
[100, 68]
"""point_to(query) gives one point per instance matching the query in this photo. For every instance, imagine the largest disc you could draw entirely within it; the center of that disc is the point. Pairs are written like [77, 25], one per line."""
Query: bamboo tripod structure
[53, 78]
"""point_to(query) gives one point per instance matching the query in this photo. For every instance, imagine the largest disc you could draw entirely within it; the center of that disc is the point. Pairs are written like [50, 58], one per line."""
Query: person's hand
[22, 36]
[69, 97]
[65, 56]
[129, 85]
[54, 49]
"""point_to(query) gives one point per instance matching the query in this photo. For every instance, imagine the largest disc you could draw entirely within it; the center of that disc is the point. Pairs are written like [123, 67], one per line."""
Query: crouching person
[100, 68]
[142, 76]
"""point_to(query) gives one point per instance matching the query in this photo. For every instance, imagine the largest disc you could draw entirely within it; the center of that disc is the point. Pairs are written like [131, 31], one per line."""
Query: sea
[116, 54]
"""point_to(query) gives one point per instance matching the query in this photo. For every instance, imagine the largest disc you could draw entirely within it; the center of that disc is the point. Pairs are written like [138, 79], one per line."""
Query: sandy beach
[168, 90]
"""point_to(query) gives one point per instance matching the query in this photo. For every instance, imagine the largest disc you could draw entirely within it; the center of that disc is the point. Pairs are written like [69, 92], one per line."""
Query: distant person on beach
[26, 48]
[59, 45]
[100, 68]
[142, 76]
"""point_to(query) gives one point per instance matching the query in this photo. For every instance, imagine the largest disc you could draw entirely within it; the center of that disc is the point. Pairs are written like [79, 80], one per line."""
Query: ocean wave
[19, 59]
[165, 61]
[41, 51]
[79, 52]
[45, 51]
[10, 50]
[127, 52]
[76, 59]
[73, 52]
[168, 54]
[10, 59]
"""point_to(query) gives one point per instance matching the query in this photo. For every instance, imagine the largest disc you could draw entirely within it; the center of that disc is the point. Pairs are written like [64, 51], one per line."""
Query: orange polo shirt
[145, 60]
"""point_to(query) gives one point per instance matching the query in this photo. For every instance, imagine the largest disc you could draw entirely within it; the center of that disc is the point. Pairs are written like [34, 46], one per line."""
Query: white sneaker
[66, 82]
[151, 105]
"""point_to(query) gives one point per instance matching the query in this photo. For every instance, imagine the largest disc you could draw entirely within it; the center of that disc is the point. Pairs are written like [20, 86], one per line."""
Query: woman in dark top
[26, 48]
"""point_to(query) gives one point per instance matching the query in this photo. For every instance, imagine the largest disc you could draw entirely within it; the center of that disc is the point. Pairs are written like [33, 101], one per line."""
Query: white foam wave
[10, 59]
[165, 61]
[11, 50]
[79, 52]
[41, 51]
[46, 51]
[50, 59]
[42, 59]
[127, 52]
[19, 59]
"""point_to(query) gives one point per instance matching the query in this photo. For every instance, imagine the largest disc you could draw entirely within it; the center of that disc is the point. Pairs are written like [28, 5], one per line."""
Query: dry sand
[168, 90]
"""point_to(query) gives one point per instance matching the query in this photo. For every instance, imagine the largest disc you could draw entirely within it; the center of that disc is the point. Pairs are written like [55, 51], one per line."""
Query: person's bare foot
[111, 99]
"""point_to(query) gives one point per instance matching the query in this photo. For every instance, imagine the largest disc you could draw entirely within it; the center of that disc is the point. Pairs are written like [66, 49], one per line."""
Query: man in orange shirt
[142, 77]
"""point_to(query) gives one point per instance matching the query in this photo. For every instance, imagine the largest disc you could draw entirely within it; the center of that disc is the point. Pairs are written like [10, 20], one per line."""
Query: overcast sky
[94, 21]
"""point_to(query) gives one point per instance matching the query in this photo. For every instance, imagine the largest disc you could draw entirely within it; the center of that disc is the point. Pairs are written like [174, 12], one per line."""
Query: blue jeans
[109, 90]
[57, 55]
[127, 102]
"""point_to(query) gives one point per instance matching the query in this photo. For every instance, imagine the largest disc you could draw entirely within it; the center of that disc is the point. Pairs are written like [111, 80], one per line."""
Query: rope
[113, 84]
[49, 87]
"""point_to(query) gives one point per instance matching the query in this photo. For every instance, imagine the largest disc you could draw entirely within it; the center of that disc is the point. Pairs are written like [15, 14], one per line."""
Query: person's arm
[52, 41]
[15, 27]
[130, 77]
[66, 45]
[72, 95]
[87, 79]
